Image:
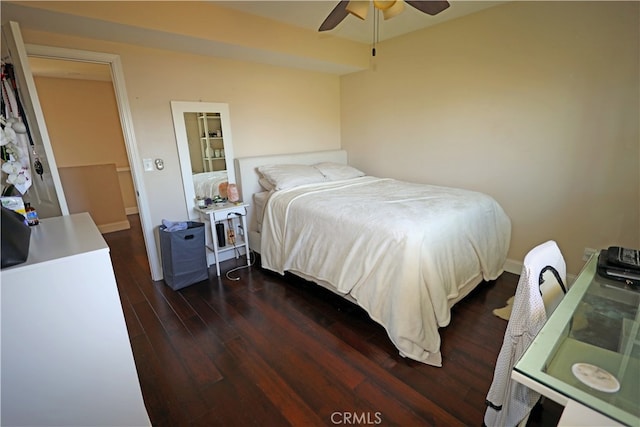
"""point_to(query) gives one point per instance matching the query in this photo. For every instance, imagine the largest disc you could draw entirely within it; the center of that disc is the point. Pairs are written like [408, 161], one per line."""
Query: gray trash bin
[184, 258]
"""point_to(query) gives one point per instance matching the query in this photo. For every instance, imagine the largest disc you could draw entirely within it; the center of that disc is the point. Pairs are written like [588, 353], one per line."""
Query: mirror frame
[178, 109]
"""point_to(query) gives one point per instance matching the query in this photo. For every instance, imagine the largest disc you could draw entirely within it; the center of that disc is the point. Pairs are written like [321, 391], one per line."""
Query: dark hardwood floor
[272, 351]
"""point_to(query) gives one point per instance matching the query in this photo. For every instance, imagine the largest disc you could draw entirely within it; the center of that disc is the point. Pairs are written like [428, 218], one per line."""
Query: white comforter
[403, 251]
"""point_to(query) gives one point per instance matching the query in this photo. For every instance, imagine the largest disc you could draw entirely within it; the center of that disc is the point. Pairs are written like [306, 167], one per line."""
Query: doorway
[117, 78]
[80, 109]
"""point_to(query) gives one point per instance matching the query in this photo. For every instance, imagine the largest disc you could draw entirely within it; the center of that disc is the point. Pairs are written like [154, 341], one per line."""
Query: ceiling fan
[389, 9]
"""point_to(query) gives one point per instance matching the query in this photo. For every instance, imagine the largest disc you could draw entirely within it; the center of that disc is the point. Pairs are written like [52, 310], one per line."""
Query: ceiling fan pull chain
[376, 30]
[378, 26]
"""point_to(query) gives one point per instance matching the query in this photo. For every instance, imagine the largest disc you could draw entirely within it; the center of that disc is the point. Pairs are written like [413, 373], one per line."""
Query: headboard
[247, 176]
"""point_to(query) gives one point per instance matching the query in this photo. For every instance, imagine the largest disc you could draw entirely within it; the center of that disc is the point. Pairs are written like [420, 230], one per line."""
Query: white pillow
[265, 184]
[336, 171]
[282, 177]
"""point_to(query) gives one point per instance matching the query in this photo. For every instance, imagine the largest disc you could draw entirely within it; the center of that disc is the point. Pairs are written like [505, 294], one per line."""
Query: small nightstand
[233, 216]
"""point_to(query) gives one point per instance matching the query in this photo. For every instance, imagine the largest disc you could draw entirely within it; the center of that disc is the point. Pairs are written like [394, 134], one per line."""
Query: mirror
[203, 135]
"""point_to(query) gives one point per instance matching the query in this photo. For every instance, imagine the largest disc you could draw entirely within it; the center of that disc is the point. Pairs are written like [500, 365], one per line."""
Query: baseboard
[114, 226]
[513, 266]
[131, 211]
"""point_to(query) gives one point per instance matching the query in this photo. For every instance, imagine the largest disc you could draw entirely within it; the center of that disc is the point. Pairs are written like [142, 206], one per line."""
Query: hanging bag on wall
[15, 238]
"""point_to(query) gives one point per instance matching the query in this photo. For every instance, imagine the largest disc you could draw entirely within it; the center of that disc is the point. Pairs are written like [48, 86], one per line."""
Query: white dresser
[66, 356]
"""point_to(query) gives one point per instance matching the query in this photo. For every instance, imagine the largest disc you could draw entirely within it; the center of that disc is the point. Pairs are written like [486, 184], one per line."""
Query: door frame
[126, 120]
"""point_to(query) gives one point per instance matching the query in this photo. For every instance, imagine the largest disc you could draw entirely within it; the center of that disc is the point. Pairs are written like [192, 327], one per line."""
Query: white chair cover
[509, 402]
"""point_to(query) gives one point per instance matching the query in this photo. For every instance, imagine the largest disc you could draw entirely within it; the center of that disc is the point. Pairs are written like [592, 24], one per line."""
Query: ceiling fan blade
[335, 17]
[429, 7]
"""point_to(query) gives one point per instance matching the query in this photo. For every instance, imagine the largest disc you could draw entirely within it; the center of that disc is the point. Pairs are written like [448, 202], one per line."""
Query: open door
[46, 193]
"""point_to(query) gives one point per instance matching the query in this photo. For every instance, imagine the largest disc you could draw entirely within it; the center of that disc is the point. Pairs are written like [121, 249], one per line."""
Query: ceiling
[309, 14]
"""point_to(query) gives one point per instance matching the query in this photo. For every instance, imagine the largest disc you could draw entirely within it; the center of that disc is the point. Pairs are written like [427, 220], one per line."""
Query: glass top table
[589, 349]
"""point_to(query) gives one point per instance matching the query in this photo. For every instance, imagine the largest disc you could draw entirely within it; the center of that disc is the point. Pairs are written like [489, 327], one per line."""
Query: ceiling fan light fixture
[358, 8]
[383, 4]
[396, 8]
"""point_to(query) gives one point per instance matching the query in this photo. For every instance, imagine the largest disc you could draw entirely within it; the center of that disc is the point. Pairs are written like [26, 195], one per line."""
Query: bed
[404, 252]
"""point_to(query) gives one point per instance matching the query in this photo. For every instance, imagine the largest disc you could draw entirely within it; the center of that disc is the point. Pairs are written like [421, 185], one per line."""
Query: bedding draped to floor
[405, 252]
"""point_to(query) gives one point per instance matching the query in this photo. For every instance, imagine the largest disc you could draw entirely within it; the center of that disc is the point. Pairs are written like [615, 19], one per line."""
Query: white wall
[273, 109]
[535, 103]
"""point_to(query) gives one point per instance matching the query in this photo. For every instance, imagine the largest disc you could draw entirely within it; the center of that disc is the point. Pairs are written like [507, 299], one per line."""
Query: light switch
[148, 165]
